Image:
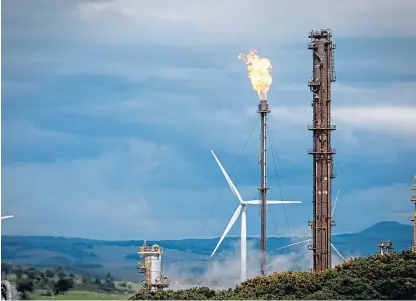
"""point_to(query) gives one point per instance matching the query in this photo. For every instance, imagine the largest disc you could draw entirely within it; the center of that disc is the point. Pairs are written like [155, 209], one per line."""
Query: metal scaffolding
[386, 247]
[322, 152]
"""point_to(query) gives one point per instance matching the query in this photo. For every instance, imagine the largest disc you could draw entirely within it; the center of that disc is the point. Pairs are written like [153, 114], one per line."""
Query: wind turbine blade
[338, 252]
[257, 202]
[7, 216]
[296, 243]
[283, 202]
[230, 183]
[335, 203]
[230, 224]
[252, 202]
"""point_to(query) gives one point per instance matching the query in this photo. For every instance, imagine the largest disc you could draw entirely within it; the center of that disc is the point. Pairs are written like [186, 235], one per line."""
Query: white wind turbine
[299, 242]
[242, 209]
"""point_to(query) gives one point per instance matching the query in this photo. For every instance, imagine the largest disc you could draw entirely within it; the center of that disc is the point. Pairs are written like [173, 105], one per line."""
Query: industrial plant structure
[8, 289]
[263, 110]
[386, 247]
[413, 218]
[320, 85]
[151, 267]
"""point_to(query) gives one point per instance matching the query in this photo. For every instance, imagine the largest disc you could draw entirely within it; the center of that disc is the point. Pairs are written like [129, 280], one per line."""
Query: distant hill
[119, 257]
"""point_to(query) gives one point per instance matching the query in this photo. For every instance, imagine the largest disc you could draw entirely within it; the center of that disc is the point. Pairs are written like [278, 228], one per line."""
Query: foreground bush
[376, 277]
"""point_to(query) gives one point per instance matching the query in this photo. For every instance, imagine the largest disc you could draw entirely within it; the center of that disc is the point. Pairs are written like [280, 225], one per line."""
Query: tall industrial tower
[320, 85]
[413, 219]
[151, 267]
[263, 110]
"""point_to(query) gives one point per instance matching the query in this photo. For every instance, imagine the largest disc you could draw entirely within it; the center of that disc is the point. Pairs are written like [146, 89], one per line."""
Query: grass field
[91, 295]
[134, 285]
[84, 295]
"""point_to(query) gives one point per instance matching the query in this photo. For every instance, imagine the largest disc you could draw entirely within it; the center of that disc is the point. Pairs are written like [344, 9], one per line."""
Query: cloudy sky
[110, 110]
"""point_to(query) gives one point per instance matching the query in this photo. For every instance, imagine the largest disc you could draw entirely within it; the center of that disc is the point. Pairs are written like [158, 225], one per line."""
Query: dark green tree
[49, 273]
[86, 278]
[63, 285]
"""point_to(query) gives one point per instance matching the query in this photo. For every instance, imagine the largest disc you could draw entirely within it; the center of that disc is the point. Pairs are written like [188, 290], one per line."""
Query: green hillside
[119, 257]
[378, 277]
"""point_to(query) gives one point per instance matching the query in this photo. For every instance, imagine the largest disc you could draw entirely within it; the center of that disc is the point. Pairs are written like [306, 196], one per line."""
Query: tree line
[31, 282]
[378, 277]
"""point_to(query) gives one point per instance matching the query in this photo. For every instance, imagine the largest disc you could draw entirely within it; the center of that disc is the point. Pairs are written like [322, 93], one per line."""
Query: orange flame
[259, 72]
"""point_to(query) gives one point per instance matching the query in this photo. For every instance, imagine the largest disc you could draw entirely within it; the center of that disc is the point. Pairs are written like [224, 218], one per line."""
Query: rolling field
[84, 295]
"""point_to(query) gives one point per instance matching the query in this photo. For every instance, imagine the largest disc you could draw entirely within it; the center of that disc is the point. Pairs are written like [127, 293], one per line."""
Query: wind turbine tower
[320, 85]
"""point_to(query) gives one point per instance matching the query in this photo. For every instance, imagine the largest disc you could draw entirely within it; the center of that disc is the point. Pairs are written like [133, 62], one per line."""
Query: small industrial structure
[413, 218]
[9, 291]
[320, 85]
[151, 266]
[386, 247]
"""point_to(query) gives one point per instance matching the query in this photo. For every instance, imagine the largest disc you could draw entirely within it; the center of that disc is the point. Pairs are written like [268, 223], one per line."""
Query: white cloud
[204, 120]
[381, 203]
[16, 87]
[388, 109]
[21, 132]
[392, 120]
[111, 192]
[247, 20]
[213, 107]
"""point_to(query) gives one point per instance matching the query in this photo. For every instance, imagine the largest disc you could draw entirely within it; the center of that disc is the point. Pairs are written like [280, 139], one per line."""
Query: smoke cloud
[223, 270]
[220, 272]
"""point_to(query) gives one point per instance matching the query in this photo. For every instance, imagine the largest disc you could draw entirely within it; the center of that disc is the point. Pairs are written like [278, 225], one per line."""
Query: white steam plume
[224, 272]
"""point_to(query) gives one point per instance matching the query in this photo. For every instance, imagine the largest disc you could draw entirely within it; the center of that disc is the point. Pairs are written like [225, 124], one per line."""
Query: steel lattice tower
[322, 152]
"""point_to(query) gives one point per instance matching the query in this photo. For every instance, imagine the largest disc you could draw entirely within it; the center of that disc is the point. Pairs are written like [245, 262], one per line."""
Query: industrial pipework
[151, 266]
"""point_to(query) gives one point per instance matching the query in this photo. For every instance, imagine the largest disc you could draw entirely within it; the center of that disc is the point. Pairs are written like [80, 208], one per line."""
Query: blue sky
[110, 109]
